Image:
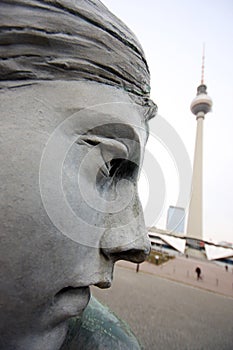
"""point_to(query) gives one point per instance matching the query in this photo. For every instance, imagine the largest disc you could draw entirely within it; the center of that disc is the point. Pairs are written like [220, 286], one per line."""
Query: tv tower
[200, 106]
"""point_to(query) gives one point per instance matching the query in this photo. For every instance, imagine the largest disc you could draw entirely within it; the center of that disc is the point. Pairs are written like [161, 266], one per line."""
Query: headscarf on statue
[71, 40]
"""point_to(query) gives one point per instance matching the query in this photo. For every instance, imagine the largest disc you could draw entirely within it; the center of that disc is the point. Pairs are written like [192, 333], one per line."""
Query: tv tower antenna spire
[203, 65]
[200, 106]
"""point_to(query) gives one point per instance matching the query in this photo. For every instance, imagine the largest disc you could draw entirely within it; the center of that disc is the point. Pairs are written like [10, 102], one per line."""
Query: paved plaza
[165, 314]
[214, 277]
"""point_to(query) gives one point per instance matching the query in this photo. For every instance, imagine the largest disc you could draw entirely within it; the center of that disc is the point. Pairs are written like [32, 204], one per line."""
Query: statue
[74, 103]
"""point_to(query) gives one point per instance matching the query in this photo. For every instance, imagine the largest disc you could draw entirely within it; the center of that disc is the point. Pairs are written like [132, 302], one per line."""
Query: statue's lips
[72, 301]
[71, 291]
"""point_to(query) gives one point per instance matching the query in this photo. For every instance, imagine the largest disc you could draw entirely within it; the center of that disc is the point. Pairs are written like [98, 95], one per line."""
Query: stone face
[71, 150]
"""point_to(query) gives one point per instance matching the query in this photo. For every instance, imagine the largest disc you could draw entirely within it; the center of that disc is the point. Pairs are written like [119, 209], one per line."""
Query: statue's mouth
[103, 284]
[68, 290]
[69, 302]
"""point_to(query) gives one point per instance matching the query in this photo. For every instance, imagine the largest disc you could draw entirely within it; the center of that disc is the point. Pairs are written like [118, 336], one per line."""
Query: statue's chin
[52, 328]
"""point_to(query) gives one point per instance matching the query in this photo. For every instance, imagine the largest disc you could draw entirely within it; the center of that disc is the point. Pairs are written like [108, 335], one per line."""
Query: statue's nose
[135, 250]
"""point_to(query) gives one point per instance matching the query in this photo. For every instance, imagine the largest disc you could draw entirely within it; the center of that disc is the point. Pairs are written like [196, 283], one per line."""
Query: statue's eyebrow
[109, 132]
[112, 144]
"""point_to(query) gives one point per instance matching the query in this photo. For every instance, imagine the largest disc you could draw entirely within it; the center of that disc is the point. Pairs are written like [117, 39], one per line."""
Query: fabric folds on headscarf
[70, 40]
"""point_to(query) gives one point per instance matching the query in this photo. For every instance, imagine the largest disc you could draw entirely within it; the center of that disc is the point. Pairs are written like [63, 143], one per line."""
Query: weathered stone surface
[100, 329]
[72, 143]
[69, 39]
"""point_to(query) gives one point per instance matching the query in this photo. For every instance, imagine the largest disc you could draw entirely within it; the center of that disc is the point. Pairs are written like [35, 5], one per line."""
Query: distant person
[226, 268]
[156, 259]
[198, 272]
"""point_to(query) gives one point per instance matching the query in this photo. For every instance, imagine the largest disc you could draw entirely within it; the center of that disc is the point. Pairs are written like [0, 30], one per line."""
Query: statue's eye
[112, 157]
[114, 166]
[109, 169]
[120, 168]
[112, 172]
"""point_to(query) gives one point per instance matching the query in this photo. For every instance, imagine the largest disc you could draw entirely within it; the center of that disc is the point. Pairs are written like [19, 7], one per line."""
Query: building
[175, 219]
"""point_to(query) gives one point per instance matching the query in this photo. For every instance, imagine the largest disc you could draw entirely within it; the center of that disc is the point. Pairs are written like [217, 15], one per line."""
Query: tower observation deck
[200, 106]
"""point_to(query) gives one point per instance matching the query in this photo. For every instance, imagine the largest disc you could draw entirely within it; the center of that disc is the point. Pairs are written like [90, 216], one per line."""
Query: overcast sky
[172, 34]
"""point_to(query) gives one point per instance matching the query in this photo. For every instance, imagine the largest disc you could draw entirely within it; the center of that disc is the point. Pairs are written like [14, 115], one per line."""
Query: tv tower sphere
[200, 106]
[202, 103]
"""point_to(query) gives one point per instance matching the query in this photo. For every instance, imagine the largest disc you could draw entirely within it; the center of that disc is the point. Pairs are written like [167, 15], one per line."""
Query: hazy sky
[172, 34]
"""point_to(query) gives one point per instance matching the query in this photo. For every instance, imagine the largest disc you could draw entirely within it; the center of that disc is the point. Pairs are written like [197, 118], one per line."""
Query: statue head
[74, 101]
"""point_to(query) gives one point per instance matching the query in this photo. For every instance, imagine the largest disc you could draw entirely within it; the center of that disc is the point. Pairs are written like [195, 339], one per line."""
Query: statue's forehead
[75, 95]
[80, 106]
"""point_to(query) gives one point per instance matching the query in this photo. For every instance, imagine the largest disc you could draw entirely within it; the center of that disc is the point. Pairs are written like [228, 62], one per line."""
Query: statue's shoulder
[99, 329]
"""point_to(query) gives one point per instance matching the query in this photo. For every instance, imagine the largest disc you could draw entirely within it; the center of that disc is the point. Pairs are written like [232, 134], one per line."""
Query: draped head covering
[70, 40]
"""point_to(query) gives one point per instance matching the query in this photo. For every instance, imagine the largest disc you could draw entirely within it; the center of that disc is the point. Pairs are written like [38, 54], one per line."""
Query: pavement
[214, 277]
[168, 309]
